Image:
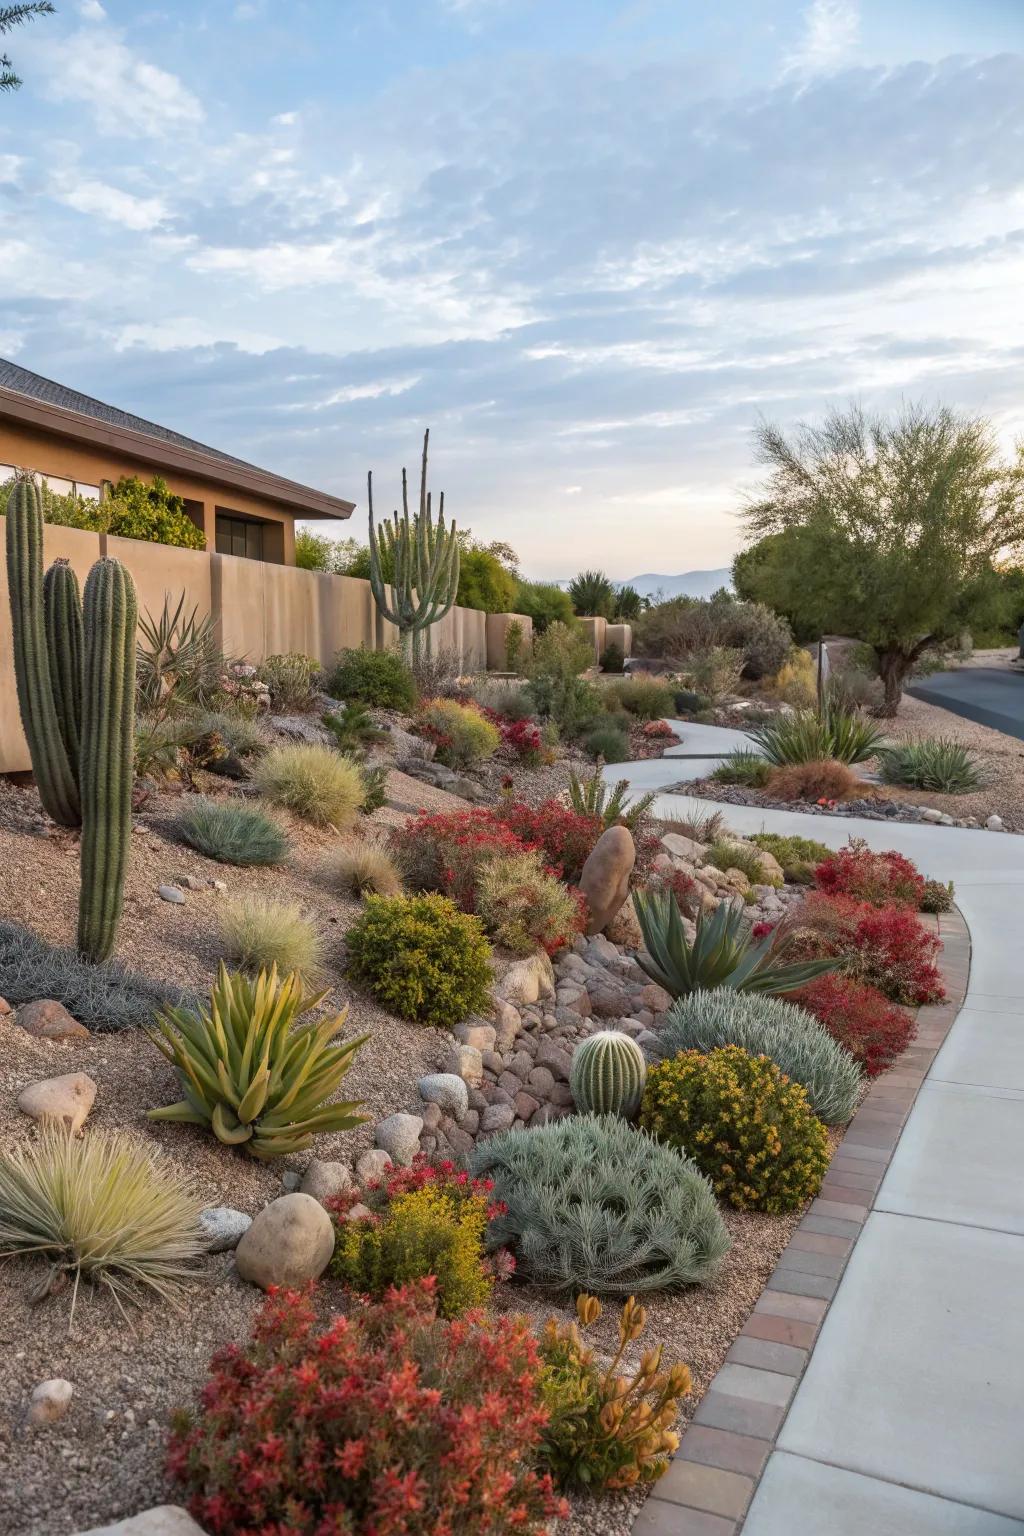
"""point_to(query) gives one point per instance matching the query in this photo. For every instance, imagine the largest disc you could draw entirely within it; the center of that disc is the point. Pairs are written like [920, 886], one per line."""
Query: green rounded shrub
[421, 957]
[744, 1123]
[767, 1026]
[378, 678]
[523, 907]
[607, 742]
[230, 832]
[462, 734]
[317, 783]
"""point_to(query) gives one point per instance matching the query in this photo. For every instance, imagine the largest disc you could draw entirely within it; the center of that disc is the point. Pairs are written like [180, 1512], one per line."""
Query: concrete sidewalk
[907, 1420]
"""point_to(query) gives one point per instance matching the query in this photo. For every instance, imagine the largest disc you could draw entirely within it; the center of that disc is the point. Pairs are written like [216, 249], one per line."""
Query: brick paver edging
[708, 1487]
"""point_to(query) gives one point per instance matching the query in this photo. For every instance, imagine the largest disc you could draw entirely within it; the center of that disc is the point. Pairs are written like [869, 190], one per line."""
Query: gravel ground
[1000, 757]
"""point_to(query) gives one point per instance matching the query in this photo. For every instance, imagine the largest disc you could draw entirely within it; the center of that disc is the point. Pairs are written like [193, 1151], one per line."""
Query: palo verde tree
[12, 16]
[886, 530]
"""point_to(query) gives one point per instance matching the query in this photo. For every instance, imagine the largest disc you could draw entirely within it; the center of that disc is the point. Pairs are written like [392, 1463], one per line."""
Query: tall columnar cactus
[424, 562]
[40, 714]
[107, 752]
[608, 1074]
[62, 616]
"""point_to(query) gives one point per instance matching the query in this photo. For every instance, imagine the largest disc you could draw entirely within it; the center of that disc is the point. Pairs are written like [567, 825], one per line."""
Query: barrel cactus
[608, 1074]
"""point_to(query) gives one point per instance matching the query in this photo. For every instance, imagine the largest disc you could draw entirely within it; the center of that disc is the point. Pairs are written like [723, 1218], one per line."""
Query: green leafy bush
[230, 832]
[743, 766]
[242, 735]
[688, 702]
[646, 698]
[592, 594]
[317, 552]
[544, 603]
[612, 658]
[607, 742]
[250, 1073]
[744, 1124]
[378, 678]
[462, 734]
[561, 651]
[523, 907]
[106, 1208]
[131, 510]
[315, 782]
[291, 680]
[353, 729]
[722, 953]
[799, 856]
[421, 957]
[592, 1204]
[937, 763]
[607, 1429]
[805, 737]
[375, 787]
[484, 582]
[724, 854]
[715, 672]
[768, 1026]
[258, 932]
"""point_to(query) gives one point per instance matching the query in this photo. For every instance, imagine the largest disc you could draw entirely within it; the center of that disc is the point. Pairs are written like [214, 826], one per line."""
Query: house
[74, 442]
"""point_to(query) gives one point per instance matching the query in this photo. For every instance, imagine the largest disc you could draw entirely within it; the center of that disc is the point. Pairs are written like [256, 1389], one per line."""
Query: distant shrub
[416, 1425]
[461, 733]
[509, 700]
[744, 1123]
[824, 780]
[423, 1220]
[593, 1204]
[290, 679]
[315, 782]
[523, 739]
[688, 702]
[796, 681]
[523, 907]
[438, 675]
[106, 1208]
[799, 856]
[887, 947]
[258, 932]
[725, 854]
[873, 1030]
[939, 764]
[560, 652]
[445, 851]
[715, 672]
[685, 626]
[361, 866]
[230, 832]
[571, 703]
[421, 957]
[936, 897]
[378, 678]
[743, 766]
[768, 1026]
[565, 836]
[607, 743]
[878, 878]
[375, 787]
[515, 644]
[241, 734]
[133, 509]
[806, 737]
[646, 698]
[612, 658]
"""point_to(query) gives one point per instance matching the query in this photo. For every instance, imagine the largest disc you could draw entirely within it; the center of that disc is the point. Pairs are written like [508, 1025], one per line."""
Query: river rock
[448, 1090]
[66, 1100]
[163, 1520]
[681, 847]
[605, 878]
[224, 1227]
[373, 1165]
[50, 1020]
[399, 1136]
[526, 980]
[289, 1243]
[325, 1180]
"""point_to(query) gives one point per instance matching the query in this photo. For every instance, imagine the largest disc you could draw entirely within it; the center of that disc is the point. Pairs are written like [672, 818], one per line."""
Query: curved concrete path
[907, 1420]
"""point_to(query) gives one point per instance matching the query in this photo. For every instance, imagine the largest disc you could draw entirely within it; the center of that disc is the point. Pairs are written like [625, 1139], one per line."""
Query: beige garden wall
[260, 610]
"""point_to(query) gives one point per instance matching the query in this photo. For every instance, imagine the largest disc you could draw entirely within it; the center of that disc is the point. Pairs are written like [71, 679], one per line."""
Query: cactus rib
[62, 612]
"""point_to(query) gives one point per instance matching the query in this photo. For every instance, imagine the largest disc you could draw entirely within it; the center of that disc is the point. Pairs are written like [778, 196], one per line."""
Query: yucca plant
[722, 953]
[808, 737]
[249, 1074]
[178, 658]
[937, 763]
[104, 1208]
[592, 797]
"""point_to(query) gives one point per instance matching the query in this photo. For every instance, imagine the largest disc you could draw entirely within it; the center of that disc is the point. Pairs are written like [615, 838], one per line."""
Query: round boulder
[399, 1136]
[605, 878]
[64, 1100]
[448, 1090]
[290, 1242]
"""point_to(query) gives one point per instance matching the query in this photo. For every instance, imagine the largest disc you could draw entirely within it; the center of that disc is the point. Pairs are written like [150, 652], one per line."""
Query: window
[58, 486]
[89, 492]
[239, 536]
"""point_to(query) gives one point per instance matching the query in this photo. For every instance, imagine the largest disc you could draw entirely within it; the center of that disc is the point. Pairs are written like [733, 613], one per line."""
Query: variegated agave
[256, 1080]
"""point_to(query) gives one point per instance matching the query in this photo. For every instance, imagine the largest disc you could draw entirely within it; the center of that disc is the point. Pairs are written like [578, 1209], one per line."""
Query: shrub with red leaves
[523, 739]
[445, 851]
[564, 836]
[886, 947]
[873, 1030]
[883, 879]
[388, 1422]
[658, 730]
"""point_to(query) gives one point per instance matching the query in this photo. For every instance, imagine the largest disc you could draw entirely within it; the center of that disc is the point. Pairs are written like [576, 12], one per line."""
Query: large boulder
[290, 1242]
[686, 848]
[64, 1100]
[605, 878]
[399, 1137]
[526, 980]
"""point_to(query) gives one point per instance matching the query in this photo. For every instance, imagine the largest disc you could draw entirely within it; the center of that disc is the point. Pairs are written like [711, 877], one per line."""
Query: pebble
[224, 1227]
[49, 1401]
[172, 894]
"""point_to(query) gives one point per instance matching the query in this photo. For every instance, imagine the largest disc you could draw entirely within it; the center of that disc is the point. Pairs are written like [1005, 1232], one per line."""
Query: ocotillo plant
[424, 563]
[75, 675]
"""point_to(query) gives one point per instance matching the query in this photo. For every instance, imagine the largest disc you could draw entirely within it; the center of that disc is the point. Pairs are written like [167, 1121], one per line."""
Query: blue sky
[587, 241]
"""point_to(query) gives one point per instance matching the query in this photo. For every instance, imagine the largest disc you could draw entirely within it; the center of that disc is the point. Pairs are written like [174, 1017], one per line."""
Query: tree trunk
[893, 667]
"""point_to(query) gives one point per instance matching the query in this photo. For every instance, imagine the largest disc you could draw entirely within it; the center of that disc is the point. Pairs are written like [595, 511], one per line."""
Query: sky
[588, 242]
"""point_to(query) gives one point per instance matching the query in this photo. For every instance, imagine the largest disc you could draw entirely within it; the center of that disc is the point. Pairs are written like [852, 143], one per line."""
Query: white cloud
[571, 490]
[96, 197]
[285, 119]
[10, 168]
[184, 331]
[91, 10]
[126, 93]
[831, 32]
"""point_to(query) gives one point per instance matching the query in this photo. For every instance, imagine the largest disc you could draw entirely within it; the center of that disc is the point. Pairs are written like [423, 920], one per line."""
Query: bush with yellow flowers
[606, 1428]
[745, 1124]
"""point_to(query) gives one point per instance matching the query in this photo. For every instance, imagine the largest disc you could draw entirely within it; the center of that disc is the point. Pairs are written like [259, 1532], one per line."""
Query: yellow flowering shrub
[745, 1124]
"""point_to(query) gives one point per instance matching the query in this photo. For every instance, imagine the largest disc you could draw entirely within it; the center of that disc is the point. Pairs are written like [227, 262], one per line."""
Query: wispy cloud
[831, 29]
[125, 92]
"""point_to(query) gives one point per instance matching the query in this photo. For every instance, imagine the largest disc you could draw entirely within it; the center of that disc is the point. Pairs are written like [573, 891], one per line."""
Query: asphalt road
[992, 696]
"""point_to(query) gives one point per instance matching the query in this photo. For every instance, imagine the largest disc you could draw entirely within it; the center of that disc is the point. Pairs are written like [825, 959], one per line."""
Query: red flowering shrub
[872, 1029]
[883, 879]
[523, 738]
[886, 947]
[388, 1422]
[684, 887]
[446, 851]
[565, 837]
[658, 730]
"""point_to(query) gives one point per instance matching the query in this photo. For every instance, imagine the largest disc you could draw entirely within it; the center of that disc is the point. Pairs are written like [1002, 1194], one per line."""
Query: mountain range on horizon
[688, 584]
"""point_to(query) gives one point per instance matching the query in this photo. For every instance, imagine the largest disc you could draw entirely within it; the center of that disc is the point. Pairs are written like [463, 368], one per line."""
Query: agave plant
[592, 797]
[809, 737]
[722, 953]
[251, 1077]
[178, 658]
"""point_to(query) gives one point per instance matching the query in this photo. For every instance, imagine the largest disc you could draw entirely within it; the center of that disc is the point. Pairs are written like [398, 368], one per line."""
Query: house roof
[53, 407]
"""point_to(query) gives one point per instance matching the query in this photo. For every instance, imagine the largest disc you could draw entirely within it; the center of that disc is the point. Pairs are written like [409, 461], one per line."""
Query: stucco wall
[260, 610]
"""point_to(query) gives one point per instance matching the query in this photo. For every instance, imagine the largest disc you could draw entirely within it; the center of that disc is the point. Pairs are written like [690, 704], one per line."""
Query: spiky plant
[251, 1074]
[935, 762]
[258, 932]
[591, 1204]
[768, 1026]
[592, 594]
[608, 1074]
[230, 832]
[104, 1208]
[722, 953]
[592, 797]
[807, 736]
[423, 562]
[179, 659]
